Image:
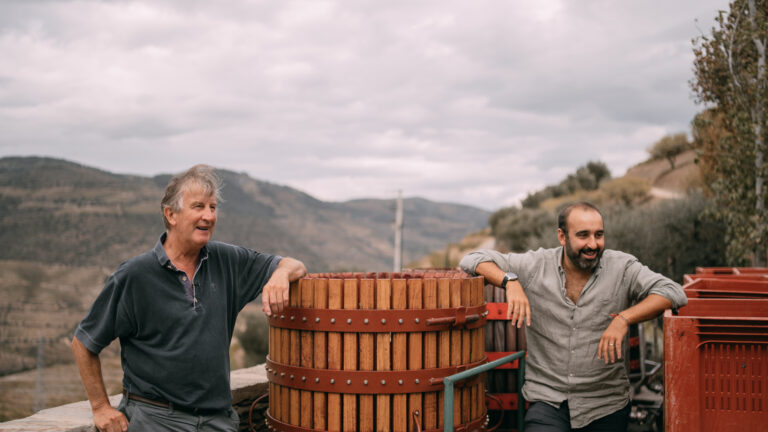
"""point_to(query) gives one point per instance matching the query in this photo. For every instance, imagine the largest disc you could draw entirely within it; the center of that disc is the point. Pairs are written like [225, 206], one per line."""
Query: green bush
[254, 339]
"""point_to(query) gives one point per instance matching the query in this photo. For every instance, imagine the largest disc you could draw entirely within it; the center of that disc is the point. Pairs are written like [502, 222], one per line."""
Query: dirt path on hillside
[657, 192]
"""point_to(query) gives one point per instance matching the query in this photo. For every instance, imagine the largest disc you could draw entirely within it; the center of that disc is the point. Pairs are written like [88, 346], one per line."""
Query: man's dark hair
[562, 217]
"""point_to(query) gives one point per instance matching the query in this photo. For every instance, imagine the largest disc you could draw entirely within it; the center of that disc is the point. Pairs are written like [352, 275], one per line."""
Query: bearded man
[583, 299]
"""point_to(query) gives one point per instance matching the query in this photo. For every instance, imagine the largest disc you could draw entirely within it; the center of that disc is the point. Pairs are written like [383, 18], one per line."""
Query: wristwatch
[508, 277]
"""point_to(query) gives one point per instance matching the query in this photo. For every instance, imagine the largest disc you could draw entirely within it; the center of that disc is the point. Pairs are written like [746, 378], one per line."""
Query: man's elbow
[295, 268]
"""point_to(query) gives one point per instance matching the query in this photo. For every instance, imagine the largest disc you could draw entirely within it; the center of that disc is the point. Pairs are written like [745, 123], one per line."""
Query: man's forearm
[294, 268]
[491, 272]
[648, 308]
[89, 366]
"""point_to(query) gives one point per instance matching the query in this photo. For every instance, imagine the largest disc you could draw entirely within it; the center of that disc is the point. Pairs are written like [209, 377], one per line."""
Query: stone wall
[247, 385]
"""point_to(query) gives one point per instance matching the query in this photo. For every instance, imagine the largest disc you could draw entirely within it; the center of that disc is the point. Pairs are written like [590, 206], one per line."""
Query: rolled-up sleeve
[644, 281]
[524, 264]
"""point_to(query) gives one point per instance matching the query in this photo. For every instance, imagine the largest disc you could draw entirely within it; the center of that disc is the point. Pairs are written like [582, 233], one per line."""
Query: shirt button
[570, 375]
[573, 351]
[184, 278]
[574, 329]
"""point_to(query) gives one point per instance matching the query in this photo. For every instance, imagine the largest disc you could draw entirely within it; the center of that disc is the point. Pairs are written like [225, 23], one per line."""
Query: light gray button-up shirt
[562, 361]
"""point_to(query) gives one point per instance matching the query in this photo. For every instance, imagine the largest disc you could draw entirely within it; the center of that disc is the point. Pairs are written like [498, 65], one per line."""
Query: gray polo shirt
[562, 361]
[175, 346]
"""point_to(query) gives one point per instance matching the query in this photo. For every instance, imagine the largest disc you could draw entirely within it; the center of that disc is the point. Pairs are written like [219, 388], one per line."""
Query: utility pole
[40, 382]
[398, 265]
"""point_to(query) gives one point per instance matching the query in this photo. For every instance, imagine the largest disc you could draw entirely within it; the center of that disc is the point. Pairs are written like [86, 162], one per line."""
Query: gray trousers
[145, 417]
[542, 417]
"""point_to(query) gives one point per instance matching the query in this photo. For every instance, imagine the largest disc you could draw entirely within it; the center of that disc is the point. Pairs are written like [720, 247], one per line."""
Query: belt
[166, 404]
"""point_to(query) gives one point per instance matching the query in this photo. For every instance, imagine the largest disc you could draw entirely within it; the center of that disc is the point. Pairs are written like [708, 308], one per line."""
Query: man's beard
[578, 260]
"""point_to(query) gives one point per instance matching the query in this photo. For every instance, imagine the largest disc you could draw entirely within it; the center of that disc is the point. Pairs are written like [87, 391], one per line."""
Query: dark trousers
[542, 417]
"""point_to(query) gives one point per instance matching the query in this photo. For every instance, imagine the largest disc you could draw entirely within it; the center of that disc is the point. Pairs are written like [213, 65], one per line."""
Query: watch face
[511, 276]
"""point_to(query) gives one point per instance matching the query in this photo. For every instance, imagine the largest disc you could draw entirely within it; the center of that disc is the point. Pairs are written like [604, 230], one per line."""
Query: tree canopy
[730, 77]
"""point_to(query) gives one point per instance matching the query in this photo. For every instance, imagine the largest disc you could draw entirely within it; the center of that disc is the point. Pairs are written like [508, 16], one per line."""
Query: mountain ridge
[63, 212]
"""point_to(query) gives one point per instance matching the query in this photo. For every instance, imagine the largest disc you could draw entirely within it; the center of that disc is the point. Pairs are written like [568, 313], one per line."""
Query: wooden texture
[399, 359]
[367, 301]
[415, 348]
[320, 288]
[430, 356]
[456, 339]
[444, 347]
[350, 358]
[295, 359]
[383, 356]
[307, 353]
[334, 355]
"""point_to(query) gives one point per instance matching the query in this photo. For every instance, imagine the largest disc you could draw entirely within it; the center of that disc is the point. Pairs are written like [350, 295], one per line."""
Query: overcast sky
[476, 102]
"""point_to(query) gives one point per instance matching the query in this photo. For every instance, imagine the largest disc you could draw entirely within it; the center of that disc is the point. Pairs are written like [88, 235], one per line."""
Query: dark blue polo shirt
[175, 347]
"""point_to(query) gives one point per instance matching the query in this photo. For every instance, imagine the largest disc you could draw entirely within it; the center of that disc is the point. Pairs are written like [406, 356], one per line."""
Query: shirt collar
[162, 257]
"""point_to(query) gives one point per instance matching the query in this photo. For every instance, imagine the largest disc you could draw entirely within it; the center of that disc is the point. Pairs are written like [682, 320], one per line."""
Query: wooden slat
[274, 389]
[415, 348]
[367, 301]
[349, 415]
[285, 357]
[478, 341]
[444, 347]
[295, 358]
[456, 340]
[430, 356]
[334, 355]
[383, 356]
[466, 352]
[307, 353]
[320, 288]
[399, 359]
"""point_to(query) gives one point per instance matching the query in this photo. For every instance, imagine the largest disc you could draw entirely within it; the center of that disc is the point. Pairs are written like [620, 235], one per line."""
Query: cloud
[472, 102]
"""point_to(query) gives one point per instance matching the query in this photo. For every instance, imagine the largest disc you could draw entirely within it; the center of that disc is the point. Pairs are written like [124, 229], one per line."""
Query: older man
[174, 309]
[582, 300]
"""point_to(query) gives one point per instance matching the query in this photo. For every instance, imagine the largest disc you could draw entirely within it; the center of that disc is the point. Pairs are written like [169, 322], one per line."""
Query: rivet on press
[333, 320]
[400, 321]
[365, 382]
[417, 320]
[293, 318]
[349, 382]
[303, 378]
[400, 382]
[282, 316]
[383, 382]
[416, 380]
[383, 320]
[282, 374]
[303, 319]
[317, 320]
[365, 321]
[349, 320]
[333, 380]
[317, 380]
[291, 376]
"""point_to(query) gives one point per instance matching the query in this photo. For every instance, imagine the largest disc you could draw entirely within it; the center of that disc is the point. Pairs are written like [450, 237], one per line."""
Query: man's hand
[108, 419]
[609, 348]
[274, 296]
[518, 308]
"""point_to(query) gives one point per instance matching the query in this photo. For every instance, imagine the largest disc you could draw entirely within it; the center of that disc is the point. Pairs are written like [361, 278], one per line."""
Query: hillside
[653, 179]
[58, 212]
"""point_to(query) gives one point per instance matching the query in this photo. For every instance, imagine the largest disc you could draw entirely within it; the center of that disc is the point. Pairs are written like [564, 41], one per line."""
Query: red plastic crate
[743, 276]
[732, 270]
[727, 288]
[716, 366]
